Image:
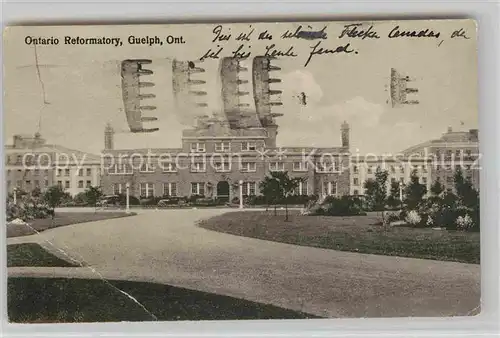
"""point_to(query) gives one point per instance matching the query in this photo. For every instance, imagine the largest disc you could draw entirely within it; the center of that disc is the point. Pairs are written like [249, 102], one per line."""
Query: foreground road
[166, 247]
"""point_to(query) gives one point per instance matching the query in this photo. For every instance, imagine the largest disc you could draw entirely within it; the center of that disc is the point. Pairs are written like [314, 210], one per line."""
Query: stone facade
[213, 159]
[32, 163]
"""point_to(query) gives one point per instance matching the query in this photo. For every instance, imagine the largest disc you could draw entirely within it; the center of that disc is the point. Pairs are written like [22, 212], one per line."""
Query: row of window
[27, 184]
[88, 172]
[223, 166]
[36, 172]
[222, 146]
[80, 184]
[147, 189]
[423, 180]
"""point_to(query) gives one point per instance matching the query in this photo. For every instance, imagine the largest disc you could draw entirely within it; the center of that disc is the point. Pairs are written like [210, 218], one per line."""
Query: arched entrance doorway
[223, 191]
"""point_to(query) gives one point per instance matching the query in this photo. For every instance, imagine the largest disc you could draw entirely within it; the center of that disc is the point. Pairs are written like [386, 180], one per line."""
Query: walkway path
[166, 247]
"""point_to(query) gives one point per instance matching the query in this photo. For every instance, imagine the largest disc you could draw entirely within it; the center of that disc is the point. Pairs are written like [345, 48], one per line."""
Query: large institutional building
[32, 163]
[231, 149]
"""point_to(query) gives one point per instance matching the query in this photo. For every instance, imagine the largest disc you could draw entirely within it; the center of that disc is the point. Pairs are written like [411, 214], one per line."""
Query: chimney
[449, 130]
[109, 133]
[272, 132]
[344, 129]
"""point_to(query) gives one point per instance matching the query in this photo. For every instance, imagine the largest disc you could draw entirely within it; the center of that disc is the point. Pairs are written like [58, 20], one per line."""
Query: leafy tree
[93, 195]
[437, 188]
[376, 190]
[80, 198]
[54, 196]
[414, 192]
[467, 195]
[278, 186]
[393, 200]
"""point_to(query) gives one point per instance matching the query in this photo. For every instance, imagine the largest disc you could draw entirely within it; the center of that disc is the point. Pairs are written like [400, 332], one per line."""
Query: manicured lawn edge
[355, 234]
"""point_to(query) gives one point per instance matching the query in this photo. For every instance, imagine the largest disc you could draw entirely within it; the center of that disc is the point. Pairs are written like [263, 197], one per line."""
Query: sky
[77, 89]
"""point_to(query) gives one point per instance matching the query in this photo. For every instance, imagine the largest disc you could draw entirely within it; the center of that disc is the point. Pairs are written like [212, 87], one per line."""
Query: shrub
[343, 206]
[413, 218]
[464, 223]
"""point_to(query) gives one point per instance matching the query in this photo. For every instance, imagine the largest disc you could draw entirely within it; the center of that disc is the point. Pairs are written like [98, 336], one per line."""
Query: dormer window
[248, 146]
[198, 147]
[222, 146]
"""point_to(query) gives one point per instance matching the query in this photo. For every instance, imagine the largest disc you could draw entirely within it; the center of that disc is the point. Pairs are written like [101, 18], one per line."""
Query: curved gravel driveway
[166, 246]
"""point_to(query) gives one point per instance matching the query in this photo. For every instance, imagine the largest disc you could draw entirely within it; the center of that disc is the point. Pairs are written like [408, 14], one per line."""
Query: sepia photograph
[242, 171]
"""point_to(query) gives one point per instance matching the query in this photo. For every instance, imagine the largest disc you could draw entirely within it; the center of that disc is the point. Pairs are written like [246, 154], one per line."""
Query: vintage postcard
[242, 171]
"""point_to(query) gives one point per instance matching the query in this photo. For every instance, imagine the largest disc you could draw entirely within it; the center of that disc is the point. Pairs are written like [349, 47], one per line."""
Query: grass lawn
[355, 233]
[32, 254]
[46, 300]
[60, 219]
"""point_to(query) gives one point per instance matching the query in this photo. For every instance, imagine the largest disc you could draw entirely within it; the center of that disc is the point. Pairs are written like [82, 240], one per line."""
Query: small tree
[437, 188]
[93, 196]
[414, 192]
[54, 196]
[376, 191]
[393, 200]
[270, 189]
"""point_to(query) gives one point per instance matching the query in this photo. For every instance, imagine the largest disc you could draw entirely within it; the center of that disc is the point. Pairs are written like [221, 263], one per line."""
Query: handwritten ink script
[310, 42]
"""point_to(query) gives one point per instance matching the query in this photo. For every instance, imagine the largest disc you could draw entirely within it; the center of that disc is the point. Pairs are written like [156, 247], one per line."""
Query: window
[458, 153]
[299, 166]
[88, 184]
[449, 179]
[248, 166]
[355, 169]
[325, 167]
[401, 169]
[19, 184]
[356, 192]
[198, 188]
[147, 168]
[424, 180]
[46, 183]
[198, 167]
[122, 168]
[8, 171]
[80, 172]
[424, 168]
[248, 146]
[36, 172]
[277, 166]
[80, 184]
[28, 184]
[46, 172]
[355, 181]
[147, 189]
[393, 169]
[223, 165]
[329, 188]
[19, 159]
[168, 167]
[448, 154]
[8, 185]
[66, 172]
[402, 180]
[7, 160]
[302, 188]
[222, 146]
[170, 189]
[369, 170]
[198, 147]
[117, 188]
[59, 172]
[89, 171]
[37, 184]
[66, 184]
[393, 180]
[248, 188]
[468, 154]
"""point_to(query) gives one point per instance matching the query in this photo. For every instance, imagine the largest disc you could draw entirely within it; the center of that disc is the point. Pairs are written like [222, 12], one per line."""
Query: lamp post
[241, 194]
[127, 206]
[15, 195]
[401, 194]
